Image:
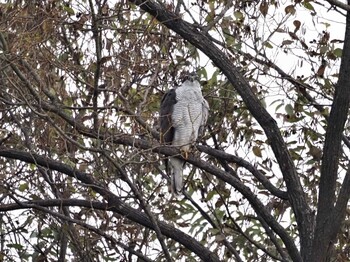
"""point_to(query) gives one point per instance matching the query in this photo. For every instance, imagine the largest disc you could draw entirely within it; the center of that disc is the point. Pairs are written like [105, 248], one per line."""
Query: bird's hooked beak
[191, 77]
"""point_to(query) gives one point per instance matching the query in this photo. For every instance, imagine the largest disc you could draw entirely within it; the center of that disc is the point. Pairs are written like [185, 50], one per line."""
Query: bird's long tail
[177, 166]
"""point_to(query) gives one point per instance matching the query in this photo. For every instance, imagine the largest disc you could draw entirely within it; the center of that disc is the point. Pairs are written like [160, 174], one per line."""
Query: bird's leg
[184, 154]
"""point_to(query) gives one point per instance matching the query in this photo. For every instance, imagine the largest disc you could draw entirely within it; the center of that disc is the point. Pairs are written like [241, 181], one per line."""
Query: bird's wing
[205, 113]
[166, 110]
[167, 135]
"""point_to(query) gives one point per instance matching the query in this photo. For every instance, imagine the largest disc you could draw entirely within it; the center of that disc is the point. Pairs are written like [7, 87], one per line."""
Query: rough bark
[326, 226]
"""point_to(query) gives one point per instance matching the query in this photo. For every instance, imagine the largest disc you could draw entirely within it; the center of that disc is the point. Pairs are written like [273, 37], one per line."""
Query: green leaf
[289, 109]
[210, 195]
[34, 234]
[22, 187]
[308, 6]
[203, 72]
[338, 52]
[212, 7]
[35, 197]
[295, 154]
[268, 45]
[68, 9]
[278, 107]
[16, 246]
[238, 15]
[214, 231]
[230, 40]
[257, 151]
[213, 80]
[46, 232]
[63, 57]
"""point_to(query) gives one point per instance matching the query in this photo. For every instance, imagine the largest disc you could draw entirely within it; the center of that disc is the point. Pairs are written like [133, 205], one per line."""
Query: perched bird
[183, 115]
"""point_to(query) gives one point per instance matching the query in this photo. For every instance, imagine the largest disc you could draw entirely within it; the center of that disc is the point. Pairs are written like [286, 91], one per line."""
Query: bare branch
[114, 202]
[42, 204]
[243, 163]
[341, 204]
[144, 205]
[339, 4]
[214, 225]
[227, 6]
[96, 31]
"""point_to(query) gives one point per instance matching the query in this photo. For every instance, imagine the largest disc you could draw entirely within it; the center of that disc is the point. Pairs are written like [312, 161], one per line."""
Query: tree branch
[98, 50]
[144, 206]
[131, 141]
[41, 204]
[214, 225]
[339, 4]
[191, 33]
[114, 203]
[331, 154]
[167, 151]
[301, 87]
[341, 205]
[243, 163]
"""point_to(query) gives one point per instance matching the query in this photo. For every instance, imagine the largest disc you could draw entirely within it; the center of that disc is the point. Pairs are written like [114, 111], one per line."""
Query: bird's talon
[184, 154]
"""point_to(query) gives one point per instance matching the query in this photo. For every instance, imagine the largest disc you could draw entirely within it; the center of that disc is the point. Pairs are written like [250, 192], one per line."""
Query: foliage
[83, 177]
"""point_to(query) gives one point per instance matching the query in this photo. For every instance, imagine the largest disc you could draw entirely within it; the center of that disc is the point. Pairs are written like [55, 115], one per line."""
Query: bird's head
[191, 77]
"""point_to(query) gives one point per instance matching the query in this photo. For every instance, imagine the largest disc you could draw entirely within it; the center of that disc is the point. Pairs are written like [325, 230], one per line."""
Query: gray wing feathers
[166, 110]
[205, 114]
